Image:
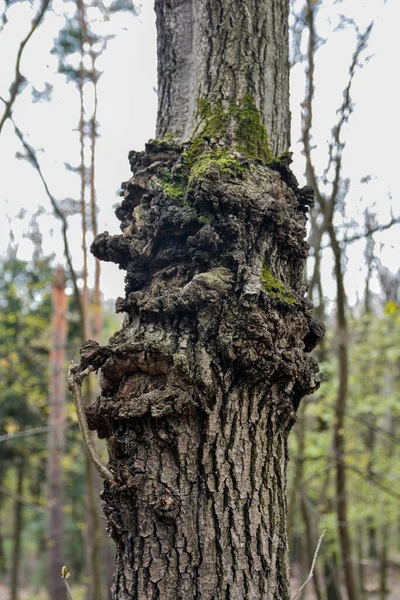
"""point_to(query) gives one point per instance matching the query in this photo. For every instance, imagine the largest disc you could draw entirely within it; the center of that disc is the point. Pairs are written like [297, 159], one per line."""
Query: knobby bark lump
[201, 385]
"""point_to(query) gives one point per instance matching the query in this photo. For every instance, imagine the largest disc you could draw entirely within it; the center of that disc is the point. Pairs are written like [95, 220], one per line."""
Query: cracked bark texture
[200, 387]
[222, 50]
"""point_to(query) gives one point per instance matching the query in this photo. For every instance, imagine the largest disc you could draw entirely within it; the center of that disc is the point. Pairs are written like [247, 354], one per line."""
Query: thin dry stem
[18, 77]
[311, 573]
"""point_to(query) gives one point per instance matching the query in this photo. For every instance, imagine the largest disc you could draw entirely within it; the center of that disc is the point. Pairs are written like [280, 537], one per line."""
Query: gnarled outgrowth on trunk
[200, 387]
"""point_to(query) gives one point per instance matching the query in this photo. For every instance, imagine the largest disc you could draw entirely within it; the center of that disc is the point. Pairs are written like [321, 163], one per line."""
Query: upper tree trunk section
[223, 50]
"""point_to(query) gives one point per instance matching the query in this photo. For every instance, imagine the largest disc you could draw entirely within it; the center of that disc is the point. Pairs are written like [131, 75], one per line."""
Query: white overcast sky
[127, 112]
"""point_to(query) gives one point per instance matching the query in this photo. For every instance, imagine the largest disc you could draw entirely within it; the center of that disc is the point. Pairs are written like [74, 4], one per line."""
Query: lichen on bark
[200, 387]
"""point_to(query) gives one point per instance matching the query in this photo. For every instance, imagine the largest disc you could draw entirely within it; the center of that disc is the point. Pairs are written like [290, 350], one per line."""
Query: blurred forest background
[344, 474]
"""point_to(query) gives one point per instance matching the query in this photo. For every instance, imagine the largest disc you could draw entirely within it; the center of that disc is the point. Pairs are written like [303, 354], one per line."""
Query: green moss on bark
[174, 185]
[242, 121]
[219, 160]
[275, 287]
[222, 142]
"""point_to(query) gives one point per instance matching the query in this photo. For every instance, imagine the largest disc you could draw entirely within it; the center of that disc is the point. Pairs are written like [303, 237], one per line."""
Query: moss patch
[173, 186]
[198, 161]
[252, 137]
[220, 133]
[242, 116]
[275, 287]
[167, 142]
[219, 160]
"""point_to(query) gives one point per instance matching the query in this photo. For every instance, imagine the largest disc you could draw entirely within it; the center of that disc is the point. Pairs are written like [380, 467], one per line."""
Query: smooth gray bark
[223, 50]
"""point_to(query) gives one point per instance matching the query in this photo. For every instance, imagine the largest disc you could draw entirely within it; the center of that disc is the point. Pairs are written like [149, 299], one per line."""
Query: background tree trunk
[56, 438]
[340, 411]
[93, 533]
[17, 534]
[383, 563]
[361, 562]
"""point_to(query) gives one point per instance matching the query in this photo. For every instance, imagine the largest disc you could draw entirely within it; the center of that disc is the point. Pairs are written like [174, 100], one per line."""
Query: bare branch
[75, 379]
[307, 106]
[311, 573]
[29, 432]
[337, 145]
[31, 154]
[371, 229]
[36, 507]
[18, 77]
[325, 204]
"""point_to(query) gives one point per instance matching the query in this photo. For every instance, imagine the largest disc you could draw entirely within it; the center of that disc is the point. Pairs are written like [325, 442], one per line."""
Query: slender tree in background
[326, 206]
[24, 316]
[77, 36]
[56, 438]
[17, 532]
[19, 79]
[200, 387]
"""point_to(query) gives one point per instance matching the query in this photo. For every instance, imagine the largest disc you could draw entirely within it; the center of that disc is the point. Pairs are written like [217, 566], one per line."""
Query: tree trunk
[3, 559]
[200, 387]
[361, 562]
[222, 51]
[93, 534]
[56, 439]
[331, 577]
[340, 412]
[17, 534]
[383, 564]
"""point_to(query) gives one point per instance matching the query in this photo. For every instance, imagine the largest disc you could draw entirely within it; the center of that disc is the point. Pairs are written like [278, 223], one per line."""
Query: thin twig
[311, 573]
[18, 77]
[58, 212]
[17, 498]
[29, 432]
[69, 593]
[75, 379]
[370, 230]
[65, 576]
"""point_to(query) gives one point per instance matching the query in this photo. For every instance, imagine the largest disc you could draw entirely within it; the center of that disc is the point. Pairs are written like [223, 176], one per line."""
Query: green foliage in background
[372, 433]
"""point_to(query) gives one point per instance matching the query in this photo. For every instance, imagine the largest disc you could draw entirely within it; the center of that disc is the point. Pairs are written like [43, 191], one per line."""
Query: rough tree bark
[56, 439]
[223, 50]
[200, 387]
